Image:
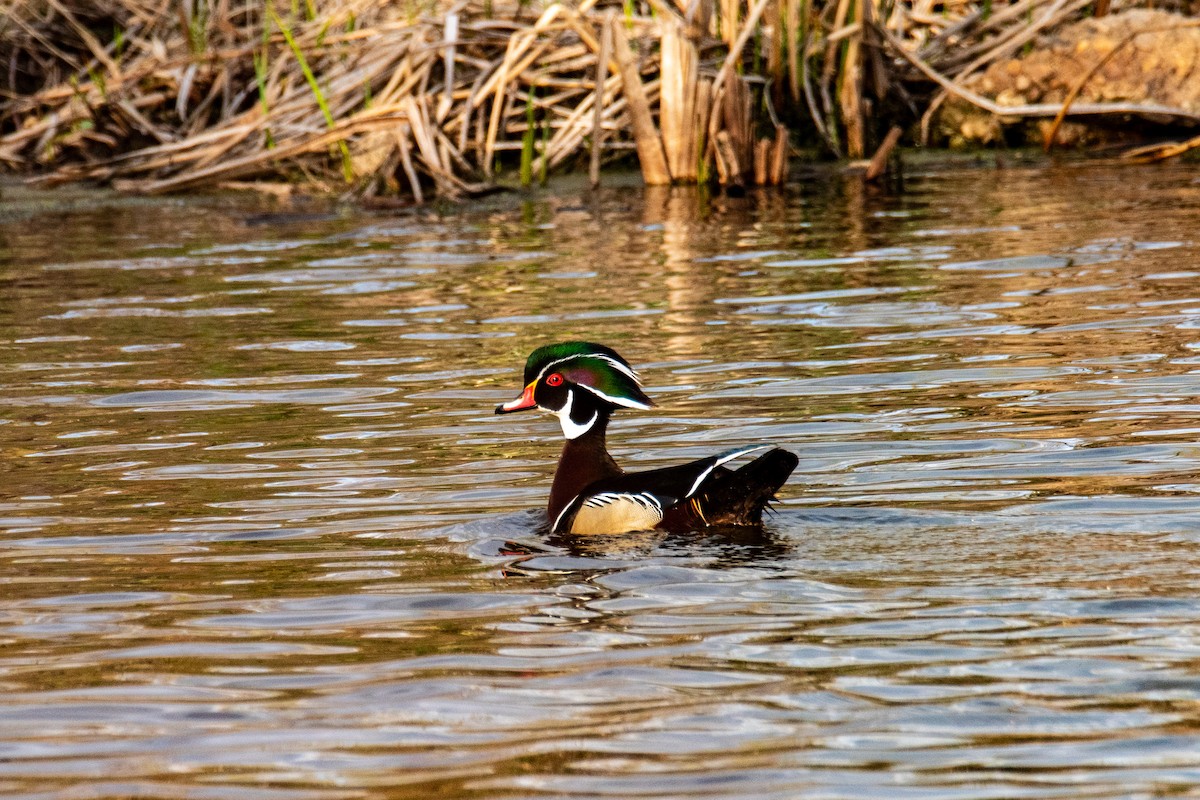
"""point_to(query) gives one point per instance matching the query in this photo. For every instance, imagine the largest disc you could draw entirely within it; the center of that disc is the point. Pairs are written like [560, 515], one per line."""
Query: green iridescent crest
[594, 367]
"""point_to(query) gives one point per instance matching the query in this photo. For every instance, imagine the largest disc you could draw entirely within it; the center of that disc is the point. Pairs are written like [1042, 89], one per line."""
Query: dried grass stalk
[677, 106]
[430, 101]
[645, 132]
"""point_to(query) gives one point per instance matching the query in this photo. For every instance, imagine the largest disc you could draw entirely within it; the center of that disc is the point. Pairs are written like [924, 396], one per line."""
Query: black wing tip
[776, 461]
[744, 495]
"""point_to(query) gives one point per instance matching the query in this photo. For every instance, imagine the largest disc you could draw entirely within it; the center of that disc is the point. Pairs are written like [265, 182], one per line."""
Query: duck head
[581, 383]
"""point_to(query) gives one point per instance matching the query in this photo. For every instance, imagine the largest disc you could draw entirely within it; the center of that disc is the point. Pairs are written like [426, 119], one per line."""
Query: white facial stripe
[547, 368]
[617, 365]
[570, 428]
[616, 401]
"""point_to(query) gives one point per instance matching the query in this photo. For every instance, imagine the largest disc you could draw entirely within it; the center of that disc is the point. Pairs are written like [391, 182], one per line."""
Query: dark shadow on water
[733, 545]
[523, 538]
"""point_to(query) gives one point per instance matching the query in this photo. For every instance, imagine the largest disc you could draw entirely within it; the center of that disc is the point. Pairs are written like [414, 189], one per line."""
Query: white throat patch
[570, 428]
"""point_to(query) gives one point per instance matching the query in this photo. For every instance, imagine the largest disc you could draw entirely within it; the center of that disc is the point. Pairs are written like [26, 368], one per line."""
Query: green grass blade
[527, 141]
[347, 166]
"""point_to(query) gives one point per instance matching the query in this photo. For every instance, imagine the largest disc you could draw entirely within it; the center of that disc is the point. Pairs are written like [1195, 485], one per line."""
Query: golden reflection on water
[264, 537]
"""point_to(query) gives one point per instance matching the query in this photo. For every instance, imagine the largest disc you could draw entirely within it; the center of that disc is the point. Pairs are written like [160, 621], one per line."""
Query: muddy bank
[1144, 61]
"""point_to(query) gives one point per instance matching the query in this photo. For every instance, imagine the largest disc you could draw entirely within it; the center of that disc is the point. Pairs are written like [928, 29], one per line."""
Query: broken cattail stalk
[779, 157]
[850, 85]
[677, 104]
[879, 161]
[762, 156]
[738, 127]
[734, 168]
[793, 36]
[645, 133]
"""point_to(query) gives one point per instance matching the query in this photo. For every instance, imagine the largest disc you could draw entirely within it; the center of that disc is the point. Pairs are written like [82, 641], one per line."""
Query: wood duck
[583, 384]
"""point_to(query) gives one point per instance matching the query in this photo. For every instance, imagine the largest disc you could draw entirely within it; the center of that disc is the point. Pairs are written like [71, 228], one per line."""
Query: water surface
[264, 538]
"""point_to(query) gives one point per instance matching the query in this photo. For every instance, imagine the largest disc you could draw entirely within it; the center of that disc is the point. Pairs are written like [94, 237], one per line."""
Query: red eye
[554, 379]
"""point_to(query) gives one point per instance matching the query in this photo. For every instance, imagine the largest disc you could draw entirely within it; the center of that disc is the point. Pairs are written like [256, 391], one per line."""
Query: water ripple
[265, 538]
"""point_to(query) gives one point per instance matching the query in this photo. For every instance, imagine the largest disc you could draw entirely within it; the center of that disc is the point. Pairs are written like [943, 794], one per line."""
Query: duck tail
[738, 497]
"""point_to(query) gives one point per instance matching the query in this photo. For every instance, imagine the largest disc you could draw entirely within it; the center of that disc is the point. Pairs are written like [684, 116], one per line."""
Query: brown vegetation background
[385, 98]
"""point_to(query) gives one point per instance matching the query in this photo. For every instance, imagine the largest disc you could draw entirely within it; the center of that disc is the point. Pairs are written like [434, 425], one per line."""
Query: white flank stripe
[559, 518]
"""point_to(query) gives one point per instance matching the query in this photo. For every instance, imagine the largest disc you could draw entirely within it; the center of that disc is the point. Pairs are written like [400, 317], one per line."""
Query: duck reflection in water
[725, 545]
[719, 546]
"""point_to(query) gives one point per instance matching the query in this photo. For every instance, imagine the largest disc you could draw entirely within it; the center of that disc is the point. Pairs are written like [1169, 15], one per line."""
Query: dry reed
[154, 96]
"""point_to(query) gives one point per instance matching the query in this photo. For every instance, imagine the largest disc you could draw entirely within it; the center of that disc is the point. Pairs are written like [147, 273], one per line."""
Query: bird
[583, 383]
